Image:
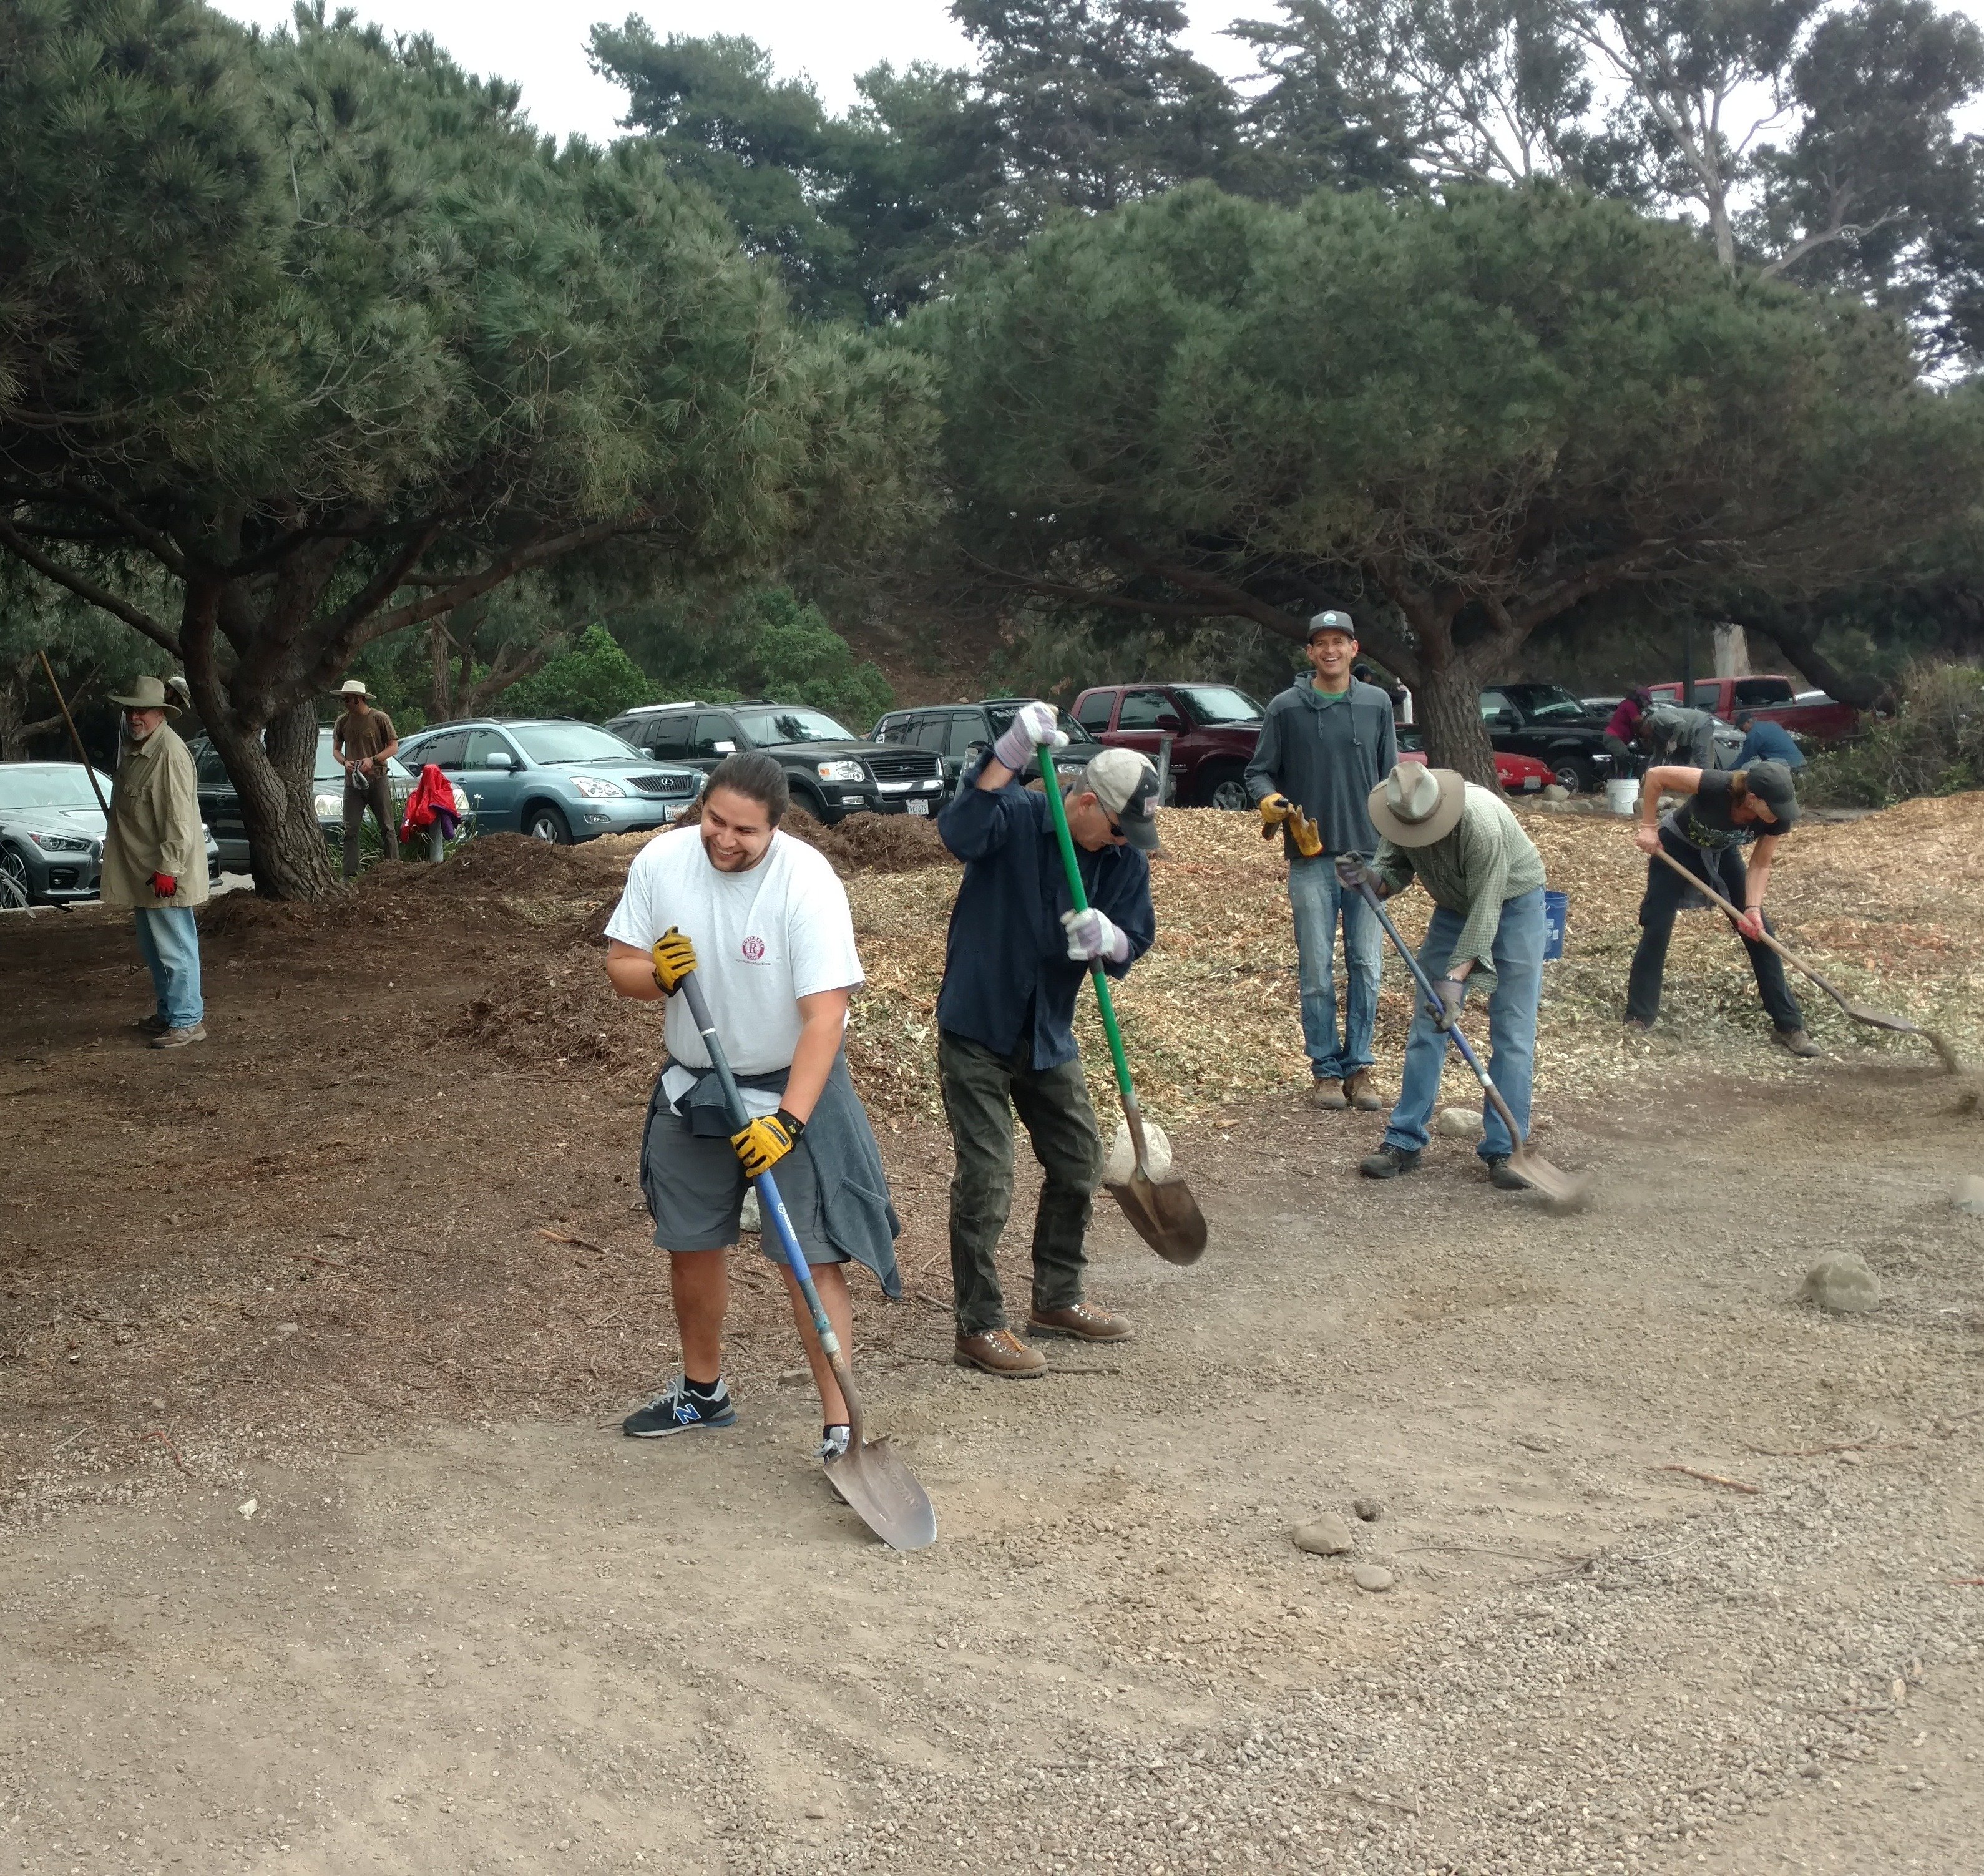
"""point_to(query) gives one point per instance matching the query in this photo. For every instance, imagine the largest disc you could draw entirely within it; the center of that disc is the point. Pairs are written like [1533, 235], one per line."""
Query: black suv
[832, 772]
[1547, 721]
[958, 731]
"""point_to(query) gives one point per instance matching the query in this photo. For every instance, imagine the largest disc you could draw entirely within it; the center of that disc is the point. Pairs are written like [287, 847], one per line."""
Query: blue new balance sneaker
[681, 1409]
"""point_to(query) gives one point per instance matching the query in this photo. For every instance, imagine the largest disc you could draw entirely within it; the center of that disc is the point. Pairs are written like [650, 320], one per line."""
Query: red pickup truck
[1775, 699]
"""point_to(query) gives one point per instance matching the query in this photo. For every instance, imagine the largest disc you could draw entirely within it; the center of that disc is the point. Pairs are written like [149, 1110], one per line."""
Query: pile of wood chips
[1890, 907]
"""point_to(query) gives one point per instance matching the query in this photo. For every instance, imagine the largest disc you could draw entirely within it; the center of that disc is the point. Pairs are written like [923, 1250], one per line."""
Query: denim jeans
[1666, 891]
[1518, 952]
[169, 942]
[1318, 900]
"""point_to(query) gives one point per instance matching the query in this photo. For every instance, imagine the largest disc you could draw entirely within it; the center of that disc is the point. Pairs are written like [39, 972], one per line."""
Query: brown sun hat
[149, 694]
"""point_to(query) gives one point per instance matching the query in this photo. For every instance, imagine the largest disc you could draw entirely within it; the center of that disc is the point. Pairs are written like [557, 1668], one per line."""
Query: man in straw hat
[1486, 879]
[155, 860]
[362, 740]
[1015, 959]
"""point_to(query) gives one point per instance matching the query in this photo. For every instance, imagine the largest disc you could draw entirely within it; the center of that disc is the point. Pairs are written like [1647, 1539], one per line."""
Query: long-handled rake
[1945, 1052]
[1561, 1189]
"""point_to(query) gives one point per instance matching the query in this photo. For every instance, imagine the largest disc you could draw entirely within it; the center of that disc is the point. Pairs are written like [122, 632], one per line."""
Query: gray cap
[1772, 784]
[1126, 784]
[1332, 622]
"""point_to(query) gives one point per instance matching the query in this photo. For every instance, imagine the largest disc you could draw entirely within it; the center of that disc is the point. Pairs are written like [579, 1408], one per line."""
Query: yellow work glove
[675, 958]
[1275, 809]
[1308, 836]
[765, 1142]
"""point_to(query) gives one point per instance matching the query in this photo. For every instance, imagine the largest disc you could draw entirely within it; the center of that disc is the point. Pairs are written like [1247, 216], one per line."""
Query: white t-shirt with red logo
[763, 939]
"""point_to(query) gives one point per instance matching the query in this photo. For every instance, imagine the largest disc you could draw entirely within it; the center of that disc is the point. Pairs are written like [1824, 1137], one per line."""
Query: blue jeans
[169, 941]
[1318, 898]
[1518, 952]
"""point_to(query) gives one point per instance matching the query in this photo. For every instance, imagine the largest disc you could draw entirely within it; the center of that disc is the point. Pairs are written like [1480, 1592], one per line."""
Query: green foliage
[1460, 418]
[797, 658]
[1933, 745]
[595, 679]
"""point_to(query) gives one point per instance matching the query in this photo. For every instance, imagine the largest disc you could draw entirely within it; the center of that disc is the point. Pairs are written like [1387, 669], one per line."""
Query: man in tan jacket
[155, 860]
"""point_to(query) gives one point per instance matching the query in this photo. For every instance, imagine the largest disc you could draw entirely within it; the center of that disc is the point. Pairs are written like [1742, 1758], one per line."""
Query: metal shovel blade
[876, 1485]
[1161, 1211]
[1164, 1214]
[1565, 1190]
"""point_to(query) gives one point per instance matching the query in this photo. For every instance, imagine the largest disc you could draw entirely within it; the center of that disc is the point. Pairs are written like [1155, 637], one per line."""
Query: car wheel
[811, 802]
[1227, 788]
[545, 823]
[1574, 777]
[13, 880]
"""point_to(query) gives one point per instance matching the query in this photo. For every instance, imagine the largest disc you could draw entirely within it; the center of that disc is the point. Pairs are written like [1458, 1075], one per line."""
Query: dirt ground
[320, 1551]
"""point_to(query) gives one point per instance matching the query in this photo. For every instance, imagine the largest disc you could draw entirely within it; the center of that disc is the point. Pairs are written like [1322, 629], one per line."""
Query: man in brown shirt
[363, 740]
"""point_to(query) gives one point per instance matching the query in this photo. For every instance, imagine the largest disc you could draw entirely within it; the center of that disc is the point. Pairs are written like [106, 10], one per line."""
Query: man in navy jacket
[1014, 962]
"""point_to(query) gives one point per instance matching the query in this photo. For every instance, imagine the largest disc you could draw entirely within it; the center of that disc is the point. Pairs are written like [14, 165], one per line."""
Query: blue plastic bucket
[1557, 923]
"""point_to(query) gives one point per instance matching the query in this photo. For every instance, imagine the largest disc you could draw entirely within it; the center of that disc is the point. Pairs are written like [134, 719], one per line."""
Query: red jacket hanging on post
[432, 800]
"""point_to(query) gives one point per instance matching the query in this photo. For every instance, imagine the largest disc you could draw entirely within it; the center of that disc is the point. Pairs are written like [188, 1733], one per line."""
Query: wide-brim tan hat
[1415, 805]
[149, 694]
[354, 687]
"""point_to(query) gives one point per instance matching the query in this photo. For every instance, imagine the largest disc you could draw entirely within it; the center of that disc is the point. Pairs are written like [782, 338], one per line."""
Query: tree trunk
[1448, 704]
[275, 775]
[439, 697]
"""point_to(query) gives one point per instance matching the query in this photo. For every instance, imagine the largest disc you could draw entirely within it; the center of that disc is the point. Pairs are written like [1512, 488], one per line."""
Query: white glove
[1033, 724]
[1091, 938]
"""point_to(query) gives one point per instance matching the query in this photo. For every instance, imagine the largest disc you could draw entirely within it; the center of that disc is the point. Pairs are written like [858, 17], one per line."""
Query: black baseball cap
[1772, 784]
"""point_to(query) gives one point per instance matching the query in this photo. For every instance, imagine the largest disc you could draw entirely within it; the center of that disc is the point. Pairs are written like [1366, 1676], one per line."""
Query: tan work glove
[1275, 809]
[1308, 836]
[675, 958]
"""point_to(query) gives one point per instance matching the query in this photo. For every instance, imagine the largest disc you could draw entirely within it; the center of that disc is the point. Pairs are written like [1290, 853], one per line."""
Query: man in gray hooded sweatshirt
[1326, 743]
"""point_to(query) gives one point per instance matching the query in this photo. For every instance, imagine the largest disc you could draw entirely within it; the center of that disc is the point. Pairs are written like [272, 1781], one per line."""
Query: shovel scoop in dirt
[872, 1480]
[1564, 1191]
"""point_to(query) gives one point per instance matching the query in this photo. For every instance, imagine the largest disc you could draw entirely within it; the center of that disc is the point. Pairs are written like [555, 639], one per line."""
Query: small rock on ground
[1369, 1509]
[1373, 1577]
[1968, 1197]
[1459, 1124]
[1327, 1536]
[1843, 1284]
[751, 1219]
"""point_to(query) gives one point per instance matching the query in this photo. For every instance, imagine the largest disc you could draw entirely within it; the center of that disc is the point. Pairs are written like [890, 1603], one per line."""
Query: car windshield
[793, 723]
[1545, 703]
[327, 769]
[58, 784]
[572, 742]
[999, 715]
[1213, 705]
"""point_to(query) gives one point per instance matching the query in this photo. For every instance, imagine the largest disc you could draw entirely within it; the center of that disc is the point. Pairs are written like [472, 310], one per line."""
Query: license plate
[919, 807]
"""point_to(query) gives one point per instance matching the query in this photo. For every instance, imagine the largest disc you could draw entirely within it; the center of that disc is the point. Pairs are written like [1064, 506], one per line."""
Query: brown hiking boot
[153, 1025]
[1796, 1041]
[1080, 1322]
[999, 1351]
[1327, 1092]
[1362, 1092]
[179, 1038]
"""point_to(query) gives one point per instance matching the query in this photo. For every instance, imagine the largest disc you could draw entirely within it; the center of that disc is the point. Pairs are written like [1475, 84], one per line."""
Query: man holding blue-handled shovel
[1486, 879]
[762, 921]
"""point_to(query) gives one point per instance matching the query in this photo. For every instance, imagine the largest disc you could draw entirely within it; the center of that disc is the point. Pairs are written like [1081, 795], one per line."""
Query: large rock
[1968, 1197]
[1372, 1576]
[1326, 1535]
[1843, 1284]
[1459, 1124]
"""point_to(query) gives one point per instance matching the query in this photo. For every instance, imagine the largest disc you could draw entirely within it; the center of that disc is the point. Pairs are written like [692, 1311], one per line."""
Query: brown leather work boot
[1362, 1091]
[1080, 1322]
[999, 1351]
[1325, 1091]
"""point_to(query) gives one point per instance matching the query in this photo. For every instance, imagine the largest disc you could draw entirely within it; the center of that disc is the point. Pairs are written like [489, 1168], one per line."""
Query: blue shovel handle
[1435, 1009]
[769, 1200]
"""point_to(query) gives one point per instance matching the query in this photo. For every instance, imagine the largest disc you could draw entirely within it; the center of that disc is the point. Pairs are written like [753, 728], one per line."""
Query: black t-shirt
[1705, 820]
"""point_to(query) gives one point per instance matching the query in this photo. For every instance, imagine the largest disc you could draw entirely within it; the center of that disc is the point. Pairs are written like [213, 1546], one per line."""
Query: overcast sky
[543, 48]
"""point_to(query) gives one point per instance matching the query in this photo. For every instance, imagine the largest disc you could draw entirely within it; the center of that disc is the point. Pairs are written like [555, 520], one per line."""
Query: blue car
[552, 778]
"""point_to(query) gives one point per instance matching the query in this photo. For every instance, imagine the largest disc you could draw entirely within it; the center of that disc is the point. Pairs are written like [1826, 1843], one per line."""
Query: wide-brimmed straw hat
[354, 687]
[1415, 805]
[149, 694]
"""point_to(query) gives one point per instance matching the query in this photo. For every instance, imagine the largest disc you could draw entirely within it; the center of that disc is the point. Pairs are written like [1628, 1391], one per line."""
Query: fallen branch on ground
[1691, 1471]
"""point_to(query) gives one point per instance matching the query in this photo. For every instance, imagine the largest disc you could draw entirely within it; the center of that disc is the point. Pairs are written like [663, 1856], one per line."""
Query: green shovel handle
[1050, 784]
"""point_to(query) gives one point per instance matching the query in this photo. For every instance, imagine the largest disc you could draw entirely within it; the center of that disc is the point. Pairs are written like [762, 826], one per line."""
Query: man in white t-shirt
[763, 921]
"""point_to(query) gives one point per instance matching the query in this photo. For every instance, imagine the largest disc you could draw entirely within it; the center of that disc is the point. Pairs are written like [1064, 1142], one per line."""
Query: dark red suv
[1212, 727]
